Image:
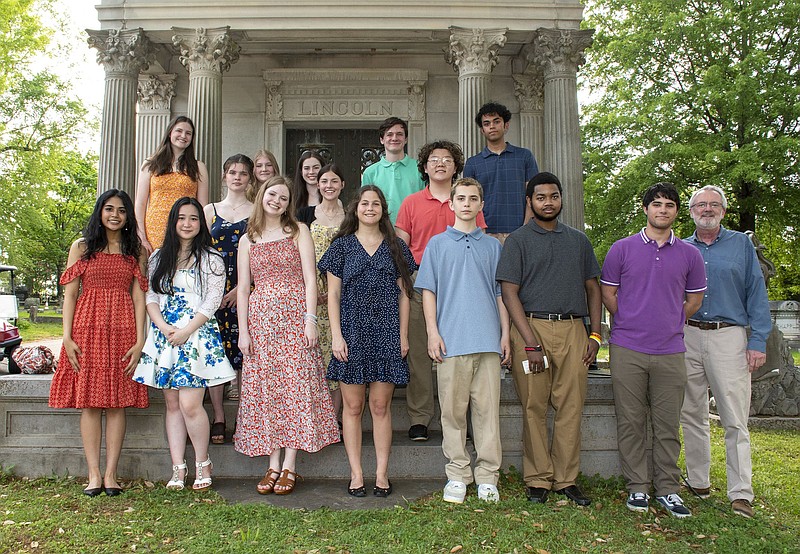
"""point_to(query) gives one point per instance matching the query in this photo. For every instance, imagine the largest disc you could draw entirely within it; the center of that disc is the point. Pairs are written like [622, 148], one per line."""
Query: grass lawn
[51, 515]
[38, 331]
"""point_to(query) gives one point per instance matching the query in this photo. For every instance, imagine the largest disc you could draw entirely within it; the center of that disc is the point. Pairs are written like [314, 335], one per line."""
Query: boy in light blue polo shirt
[468, 332]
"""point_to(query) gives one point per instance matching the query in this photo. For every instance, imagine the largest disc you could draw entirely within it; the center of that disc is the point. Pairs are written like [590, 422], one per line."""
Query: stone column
[155, 95]
[473, 54]
[274, 140]
[529, 90]
[417, 126]
[207, 54]
[123, 54]
[559, 53]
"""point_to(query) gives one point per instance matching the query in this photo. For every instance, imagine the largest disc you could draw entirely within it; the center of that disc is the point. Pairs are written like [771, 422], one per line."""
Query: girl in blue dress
[227, 222]
[369, 287]
[183, 353]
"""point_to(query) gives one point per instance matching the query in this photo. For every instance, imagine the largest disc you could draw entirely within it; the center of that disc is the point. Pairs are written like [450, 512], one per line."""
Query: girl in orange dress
[171, 173]
[104, 320]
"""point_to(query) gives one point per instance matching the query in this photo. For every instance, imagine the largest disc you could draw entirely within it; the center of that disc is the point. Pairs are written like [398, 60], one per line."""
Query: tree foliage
[697, 92]
[47, 185]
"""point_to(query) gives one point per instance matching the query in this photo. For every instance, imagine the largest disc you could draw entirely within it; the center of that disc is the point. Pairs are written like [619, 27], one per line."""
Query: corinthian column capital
[529, 90]
[155, 92]
[122, 50]
[474, 50]
[559, 50]
[206, 49]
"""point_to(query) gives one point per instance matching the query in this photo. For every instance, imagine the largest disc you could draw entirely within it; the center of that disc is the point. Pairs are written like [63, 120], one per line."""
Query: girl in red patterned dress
[284, 401]
[104, 320]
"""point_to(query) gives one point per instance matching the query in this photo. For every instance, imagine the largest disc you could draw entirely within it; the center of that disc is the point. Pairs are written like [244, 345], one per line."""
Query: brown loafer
[743, 508]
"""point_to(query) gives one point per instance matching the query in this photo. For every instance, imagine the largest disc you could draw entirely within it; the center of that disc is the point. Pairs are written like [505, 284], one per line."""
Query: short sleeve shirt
[503, 177]
[422, 216]
[459, 268]
[395, 179]
[550, 267]
[653, 281]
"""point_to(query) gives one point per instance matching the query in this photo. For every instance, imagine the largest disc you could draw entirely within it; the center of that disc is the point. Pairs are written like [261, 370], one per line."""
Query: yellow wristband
[596, 339]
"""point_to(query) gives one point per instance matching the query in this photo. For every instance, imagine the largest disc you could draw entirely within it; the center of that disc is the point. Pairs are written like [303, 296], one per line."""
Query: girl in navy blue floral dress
[183, 353]
[369, 287]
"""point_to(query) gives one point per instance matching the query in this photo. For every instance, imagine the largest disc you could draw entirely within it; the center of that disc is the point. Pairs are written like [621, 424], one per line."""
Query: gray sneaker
[674, 505]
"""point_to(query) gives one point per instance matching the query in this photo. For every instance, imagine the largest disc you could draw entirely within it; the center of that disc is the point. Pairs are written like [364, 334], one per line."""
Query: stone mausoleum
[292, 76]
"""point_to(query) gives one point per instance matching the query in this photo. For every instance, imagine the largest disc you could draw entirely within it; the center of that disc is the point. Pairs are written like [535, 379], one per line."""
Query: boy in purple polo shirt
[457, 282]
[651, 283]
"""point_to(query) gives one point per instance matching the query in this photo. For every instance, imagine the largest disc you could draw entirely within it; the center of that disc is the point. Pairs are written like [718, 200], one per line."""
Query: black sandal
[218, 432]
[358, 492]
[381, 491]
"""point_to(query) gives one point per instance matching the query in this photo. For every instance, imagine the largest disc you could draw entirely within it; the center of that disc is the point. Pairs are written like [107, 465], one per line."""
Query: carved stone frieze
[155, 92]
[206, 49]
[416, 100]
[274, 100]
[474, 50]
[122, 50]
[559, 50]
[529, 90]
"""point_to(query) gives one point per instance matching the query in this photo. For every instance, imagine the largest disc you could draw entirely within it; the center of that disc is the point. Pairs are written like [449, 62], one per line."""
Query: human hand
[312, 335]
[229, 300]
[244, 343]
[132, 356]
[755, 360]
[403, 345]
[73, 351]
[339, 349]
[436, 348]
[536, 361]
[505, 351]
[591, 352]
[179, 337]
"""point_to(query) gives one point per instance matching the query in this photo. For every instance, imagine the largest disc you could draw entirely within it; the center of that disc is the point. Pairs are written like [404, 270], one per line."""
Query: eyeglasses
[437, 161]
[704, 205]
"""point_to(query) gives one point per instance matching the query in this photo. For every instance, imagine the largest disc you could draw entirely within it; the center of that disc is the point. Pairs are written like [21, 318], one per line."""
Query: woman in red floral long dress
[104, 318]
[284, 402]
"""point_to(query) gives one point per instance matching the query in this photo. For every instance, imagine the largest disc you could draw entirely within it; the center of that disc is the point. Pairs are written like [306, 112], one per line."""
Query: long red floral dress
[104, 328]
[284, 401]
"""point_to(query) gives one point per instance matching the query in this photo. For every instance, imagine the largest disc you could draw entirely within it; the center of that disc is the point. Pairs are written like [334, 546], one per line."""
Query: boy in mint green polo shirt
[396, 174]
[457, 282]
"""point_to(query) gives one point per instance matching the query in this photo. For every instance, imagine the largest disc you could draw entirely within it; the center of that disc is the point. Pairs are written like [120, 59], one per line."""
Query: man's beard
[542, 217]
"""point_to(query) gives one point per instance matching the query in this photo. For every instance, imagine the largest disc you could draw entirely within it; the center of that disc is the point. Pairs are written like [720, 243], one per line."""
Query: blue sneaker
[674, 505]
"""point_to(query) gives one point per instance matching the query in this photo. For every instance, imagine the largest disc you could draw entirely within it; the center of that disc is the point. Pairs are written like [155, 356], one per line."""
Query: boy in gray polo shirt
[457, 282]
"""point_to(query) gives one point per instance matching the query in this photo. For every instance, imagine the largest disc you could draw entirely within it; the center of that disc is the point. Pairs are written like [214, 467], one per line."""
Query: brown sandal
[284, 481]
[218, 432]
[267, 484]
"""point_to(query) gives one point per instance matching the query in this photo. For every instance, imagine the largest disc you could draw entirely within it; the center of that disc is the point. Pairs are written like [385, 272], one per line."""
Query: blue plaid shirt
[503, 177]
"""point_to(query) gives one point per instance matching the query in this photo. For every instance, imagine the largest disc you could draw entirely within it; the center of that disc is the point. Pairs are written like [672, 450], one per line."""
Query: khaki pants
[471, 381]
[564, 386]
[419, 394]
[643, 381]
[717, 358]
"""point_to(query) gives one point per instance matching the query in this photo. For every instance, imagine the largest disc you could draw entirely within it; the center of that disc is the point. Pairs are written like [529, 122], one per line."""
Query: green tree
[46, 185]
[696, 92]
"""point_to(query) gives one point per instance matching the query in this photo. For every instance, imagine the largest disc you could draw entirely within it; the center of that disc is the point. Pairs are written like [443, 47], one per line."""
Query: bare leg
[115, 435]
[176, 428]
[275, 459]
[91, 434]
[353, 407]
[380, 403]
[289, 462]
[217, 397]
[191, 407]
[336, 398]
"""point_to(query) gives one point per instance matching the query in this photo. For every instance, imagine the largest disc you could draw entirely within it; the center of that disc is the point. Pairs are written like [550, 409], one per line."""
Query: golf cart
[9, 314]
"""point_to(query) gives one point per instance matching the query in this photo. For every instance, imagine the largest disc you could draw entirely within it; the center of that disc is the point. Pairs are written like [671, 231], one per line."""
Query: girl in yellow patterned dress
[171, 173]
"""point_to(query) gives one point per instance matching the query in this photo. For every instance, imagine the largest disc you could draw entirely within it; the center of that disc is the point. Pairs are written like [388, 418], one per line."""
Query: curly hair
[491, 108]
[425, 153]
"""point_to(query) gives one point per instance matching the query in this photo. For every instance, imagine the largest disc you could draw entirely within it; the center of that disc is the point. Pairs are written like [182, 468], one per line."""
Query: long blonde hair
[252, 189]
[257, 221]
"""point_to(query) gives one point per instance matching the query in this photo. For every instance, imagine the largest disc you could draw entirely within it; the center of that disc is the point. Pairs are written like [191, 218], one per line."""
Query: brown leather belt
[709, 325]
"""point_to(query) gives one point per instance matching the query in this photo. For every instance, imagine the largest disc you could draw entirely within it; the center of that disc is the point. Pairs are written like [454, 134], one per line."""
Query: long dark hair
[300, 190]
[160, 163]
[167, 259]
[350, 225]
[94, 235]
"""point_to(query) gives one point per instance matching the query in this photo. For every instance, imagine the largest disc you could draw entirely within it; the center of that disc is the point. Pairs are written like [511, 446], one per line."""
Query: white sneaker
[454, 491]
[488, 492]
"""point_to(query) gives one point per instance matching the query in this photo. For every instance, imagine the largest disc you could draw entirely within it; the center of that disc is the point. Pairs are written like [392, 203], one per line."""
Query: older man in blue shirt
[719, 353]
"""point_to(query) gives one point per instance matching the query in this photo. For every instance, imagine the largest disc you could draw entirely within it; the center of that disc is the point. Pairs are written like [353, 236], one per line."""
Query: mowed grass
[51, 515]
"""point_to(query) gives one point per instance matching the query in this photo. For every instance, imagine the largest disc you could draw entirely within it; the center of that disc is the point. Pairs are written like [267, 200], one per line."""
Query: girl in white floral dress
[183, 354]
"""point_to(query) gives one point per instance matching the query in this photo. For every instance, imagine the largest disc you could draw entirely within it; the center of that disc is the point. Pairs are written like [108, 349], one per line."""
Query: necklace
[234, 208]
[268, 231]
[331, 214]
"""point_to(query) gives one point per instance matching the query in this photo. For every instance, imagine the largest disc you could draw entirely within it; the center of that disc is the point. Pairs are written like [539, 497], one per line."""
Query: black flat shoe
[93, 492]
[112, 491]
[382, 492]
[537, 495]
[358, 492]
[574, 493]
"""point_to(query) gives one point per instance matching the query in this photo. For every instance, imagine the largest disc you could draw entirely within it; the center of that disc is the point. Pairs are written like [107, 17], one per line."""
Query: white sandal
[201, 482]
[177, 482]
